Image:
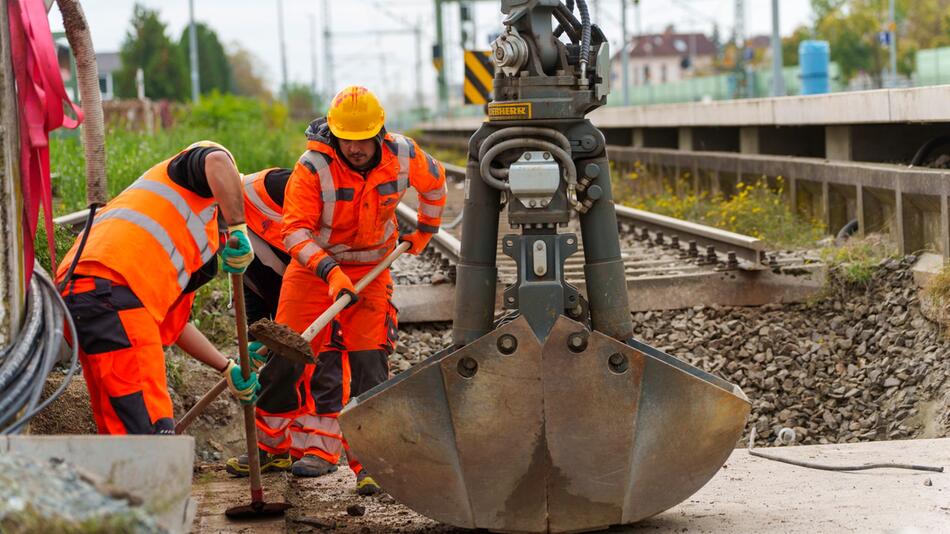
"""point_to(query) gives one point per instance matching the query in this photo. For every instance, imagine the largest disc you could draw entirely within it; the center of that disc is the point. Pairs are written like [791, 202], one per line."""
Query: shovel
[282, 340]
[286, 343]
[258, 507]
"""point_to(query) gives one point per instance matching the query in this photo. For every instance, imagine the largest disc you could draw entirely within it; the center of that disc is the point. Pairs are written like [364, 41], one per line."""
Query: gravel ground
[859, 364]
[427, 268]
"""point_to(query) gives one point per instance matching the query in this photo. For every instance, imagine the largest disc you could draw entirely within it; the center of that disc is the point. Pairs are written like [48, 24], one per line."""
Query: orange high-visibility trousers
[120, 348]
[299, 404]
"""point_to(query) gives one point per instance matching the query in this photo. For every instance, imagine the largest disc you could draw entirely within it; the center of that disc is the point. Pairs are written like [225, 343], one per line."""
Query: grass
[447, 155]
[757, 209]
[937, 294]
[854, 263]
[259, 135]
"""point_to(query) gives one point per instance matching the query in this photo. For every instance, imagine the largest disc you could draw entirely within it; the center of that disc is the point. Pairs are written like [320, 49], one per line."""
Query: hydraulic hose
[570, 171]
[521, 132]
[567, 22]
[585, 37]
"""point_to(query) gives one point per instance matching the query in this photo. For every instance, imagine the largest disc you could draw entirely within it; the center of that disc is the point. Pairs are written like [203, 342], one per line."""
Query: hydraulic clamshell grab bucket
[579, 433]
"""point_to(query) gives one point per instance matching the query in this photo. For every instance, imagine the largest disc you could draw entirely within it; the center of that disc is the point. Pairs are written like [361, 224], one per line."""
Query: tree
[790, 45]
[148, 47]
[921, 24]
[851, 28]
[302, 102]
[214, 71]
[248, 78]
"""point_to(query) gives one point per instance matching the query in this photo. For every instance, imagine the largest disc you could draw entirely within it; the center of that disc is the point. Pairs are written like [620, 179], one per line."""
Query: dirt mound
[68, 414]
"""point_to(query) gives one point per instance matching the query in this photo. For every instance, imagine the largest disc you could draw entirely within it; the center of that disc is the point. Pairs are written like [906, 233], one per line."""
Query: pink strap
[40, 94]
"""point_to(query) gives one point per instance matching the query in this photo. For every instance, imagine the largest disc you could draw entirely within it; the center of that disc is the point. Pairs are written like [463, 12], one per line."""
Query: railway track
[670, 264]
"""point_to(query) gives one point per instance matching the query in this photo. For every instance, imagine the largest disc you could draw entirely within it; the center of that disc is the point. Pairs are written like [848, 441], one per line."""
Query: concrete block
[749, 140]
[157, 469]
[838, 143]
[920, 104]
[685, 136]
[838, 108]
[928, 265]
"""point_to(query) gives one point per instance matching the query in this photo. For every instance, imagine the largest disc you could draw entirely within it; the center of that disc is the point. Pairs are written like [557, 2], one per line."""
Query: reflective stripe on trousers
[310, 432]
[273, 433]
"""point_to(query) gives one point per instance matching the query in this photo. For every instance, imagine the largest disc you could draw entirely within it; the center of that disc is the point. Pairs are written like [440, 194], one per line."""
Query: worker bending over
[263, 208]
[339, 221]
[132, 290]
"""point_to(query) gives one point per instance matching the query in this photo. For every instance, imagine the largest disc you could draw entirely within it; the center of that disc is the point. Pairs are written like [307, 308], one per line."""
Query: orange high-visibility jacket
[152, 238]
[262, 214]
[332, 214]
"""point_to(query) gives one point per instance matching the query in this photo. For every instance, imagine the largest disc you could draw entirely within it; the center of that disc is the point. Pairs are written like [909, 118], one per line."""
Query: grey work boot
[312, 466]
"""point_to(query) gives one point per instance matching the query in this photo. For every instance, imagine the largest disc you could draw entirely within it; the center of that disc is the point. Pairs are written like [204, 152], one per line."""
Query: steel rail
[750, 250]
[445, 243]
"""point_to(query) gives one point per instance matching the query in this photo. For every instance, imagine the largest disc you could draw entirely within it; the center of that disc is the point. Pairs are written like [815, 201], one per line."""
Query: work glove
[245, 391]
[340, 284]
[258, 358]
[417, 241]
[238, 258]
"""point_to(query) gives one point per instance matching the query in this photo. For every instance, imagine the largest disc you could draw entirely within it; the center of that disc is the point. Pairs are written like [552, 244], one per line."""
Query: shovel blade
[257, 510]
[281, 340]
[543, 438]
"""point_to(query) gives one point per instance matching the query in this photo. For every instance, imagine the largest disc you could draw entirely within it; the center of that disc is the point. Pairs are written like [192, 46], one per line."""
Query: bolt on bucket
[578, 433]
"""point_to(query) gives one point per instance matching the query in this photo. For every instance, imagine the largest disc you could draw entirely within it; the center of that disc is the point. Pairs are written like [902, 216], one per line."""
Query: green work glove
[238, 258]
[245, 391]
[258, 358]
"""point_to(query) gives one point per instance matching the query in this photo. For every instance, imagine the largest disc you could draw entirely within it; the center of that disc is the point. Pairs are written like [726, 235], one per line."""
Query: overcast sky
[386, 63]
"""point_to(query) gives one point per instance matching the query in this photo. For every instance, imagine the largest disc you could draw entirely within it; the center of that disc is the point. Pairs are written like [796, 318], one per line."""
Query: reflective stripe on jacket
[153, 236]
[333, 212]
[262, 214]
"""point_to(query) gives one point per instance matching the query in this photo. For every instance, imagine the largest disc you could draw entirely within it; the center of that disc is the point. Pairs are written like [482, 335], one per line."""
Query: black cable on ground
[26, 364]
[826, 467]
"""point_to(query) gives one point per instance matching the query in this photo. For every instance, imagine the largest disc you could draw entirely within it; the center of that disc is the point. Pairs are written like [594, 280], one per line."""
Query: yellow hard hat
[211, 144]
[355, 114]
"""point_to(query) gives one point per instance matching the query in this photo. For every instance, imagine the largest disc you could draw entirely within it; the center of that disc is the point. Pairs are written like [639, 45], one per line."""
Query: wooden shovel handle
[318, 324]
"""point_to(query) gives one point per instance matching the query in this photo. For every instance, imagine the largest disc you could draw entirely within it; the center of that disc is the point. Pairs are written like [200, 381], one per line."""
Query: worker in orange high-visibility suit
[263, 208]
[338, 222]
[133, 285]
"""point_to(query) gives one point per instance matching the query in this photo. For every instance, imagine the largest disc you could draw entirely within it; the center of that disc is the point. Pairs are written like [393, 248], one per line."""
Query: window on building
[663, 73]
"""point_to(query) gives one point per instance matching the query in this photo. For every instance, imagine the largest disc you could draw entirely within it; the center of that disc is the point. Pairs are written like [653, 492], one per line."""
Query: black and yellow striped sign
[479, 72]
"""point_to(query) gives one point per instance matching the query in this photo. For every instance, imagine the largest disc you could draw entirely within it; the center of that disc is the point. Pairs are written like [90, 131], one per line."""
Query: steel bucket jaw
[506, 434]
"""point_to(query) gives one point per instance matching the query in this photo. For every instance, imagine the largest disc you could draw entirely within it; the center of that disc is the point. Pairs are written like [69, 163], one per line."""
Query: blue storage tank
[813, 60]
